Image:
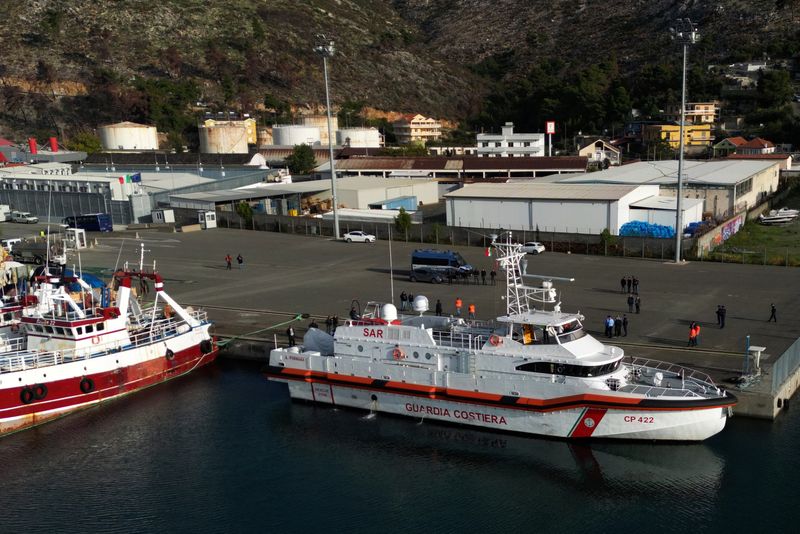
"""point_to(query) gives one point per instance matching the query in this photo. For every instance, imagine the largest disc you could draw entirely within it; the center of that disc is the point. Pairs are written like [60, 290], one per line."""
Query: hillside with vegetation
[70, 65]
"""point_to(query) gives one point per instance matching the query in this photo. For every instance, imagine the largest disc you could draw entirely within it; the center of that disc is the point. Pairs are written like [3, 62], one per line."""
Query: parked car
[359, 237]
[23, 217]
[533, 247]
[426, 274]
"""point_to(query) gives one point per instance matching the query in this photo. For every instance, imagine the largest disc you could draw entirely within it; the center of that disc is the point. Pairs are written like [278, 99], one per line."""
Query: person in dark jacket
[438, 307]
[618, 326]
[290, 335]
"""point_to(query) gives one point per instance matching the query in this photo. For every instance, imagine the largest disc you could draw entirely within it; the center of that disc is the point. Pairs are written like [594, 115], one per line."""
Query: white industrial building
[727, 186]
[128, 136]
[585, 209]
[510, 144]
[359, 137]
[360, 192]
[661, 210]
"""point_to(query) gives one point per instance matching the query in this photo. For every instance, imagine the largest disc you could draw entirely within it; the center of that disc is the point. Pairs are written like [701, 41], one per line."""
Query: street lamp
[685, 32]
[325, 49]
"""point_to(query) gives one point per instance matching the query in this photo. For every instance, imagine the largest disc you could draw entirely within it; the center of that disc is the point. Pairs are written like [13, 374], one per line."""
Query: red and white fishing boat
[75, 353]
[533, 370]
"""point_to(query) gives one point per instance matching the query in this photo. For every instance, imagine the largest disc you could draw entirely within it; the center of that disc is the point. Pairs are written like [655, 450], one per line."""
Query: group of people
[616, 327]
[634, 302]
[629, 284]
[229, 261]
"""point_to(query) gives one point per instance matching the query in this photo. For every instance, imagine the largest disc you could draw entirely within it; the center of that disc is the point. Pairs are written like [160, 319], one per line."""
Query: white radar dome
[389, 313]
[420, 304]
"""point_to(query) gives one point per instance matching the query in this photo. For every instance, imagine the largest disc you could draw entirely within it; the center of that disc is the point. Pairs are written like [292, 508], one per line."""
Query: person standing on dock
[228, 262]
[635, 286]
[624, 325]
[772, 316]
[403, 301]
[290, 335]
[630, 302]
[618, 326]
[609, 324]
[438, 308]
[722, 312]
[459, 304]
[629, 283]
[483, 276]
[493, 275]
[471, 311]
[240, 261]
[719, 315]
[638, 304]
[328, 324]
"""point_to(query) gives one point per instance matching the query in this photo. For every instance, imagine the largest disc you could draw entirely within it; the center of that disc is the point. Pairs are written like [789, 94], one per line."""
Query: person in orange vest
[471, 311]
[459, 304]
[694, 331]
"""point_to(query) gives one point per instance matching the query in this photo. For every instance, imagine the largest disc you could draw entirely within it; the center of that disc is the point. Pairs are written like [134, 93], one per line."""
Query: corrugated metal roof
[543, 191]
[665, 172]
[251, 193]
[470, 163]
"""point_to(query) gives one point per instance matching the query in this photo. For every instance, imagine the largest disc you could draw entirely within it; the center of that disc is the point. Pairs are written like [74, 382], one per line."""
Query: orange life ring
[495, 340]
[95, 340]
[398, 354]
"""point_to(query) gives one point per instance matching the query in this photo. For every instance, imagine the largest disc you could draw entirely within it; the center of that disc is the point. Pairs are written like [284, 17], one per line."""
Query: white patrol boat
[534, 371]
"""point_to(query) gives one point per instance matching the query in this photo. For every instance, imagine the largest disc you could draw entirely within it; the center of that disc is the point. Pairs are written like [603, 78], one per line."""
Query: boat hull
[575, 422]
[84, 383]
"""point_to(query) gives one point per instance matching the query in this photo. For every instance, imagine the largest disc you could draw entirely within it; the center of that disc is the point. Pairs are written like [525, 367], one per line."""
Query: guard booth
[75, 238]
[207, 219]
[163, 216]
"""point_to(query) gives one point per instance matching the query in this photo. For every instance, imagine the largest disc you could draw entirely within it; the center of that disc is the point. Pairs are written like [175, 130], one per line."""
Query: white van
[9, 243]
[23, 217]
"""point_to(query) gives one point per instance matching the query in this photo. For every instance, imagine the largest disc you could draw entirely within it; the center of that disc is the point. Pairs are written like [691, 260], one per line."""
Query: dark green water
[226, 451]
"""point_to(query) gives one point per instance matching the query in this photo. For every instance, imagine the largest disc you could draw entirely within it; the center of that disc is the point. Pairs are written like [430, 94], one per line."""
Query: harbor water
[223, 450]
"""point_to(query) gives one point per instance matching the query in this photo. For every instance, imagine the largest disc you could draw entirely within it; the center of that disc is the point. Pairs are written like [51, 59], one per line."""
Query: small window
[59, 331]
[49, 329]
[101, 327]
[79, 331]
[361, 348]
[89, 328]
[428, 356]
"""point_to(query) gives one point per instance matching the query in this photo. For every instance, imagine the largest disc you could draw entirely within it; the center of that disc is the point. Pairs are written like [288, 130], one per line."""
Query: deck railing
[21, 359]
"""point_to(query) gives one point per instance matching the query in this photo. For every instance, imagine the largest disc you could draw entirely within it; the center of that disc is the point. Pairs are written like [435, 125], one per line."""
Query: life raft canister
[495, 340]
[398, 354]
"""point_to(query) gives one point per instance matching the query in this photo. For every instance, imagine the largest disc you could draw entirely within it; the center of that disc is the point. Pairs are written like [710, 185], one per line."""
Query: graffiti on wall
[722, 233]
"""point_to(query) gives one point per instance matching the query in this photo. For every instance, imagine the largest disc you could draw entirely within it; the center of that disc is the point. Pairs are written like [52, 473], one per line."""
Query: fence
[440, 234]
[785, 366]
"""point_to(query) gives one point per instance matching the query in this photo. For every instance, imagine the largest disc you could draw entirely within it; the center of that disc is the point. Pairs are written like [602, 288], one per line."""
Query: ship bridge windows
[555, 368]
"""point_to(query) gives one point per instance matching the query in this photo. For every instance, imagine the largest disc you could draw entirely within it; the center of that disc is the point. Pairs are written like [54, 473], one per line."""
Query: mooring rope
[277, 325]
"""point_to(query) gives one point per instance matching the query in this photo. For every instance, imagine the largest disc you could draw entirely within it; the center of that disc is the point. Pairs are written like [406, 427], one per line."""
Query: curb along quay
[322, 277]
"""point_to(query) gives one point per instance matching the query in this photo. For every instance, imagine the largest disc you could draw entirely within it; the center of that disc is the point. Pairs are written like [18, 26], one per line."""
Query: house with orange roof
[756, 146]
[728, 146]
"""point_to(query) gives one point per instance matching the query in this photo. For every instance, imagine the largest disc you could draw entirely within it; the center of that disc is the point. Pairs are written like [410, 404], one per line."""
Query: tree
[301, 160]
[403, 221]
[245, 211]
[774, 88]
[85, 142]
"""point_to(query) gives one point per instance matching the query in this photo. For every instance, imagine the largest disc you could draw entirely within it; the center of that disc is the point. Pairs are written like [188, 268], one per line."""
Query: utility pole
[685, 32]
[325, 49]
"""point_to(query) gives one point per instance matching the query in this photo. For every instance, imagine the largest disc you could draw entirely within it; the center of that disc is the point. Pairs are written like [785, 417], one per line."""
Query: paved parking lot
[296, 274]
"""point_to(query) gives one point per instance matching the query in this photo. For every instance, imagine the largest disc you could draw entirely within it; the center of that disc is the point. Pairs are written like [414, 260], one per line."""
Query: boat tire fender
[39, 391]
[206, 346]
[170, 355]
[87, 385]
[26, 395]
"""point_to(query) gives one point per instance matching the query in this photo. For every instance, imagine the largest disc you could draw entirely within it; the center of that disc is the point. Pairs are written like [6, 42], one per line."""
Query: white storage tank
[291, 135]
[128, 136]
[359, 137]
[223, 139]
[321, 122]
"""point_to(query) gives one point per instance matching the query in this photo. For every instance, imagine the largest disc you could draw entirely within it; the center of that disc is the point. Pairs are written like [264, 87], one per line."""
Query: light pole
[325, 49]
[685, 32]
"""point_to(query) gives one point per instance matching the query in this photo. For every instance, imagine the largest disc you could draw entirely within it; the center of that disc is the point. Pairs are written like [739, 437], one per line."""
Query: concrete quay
[287, 275]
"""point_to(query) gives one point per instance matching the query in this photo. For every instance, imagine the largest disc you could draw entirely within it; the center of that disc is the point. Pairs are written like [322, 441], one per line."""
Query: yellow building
[417, 129]
[249, 127]
[696, 136]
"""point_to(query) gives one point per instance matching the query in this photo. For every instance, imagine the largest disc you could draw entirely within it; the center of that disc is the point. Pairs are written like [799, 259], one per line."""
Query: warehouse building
[585, 209]
[727, 186]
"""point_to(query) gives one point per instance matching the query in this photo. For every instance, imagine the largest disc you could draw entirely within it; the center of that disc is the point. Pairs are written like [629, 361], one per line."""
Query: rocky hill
[71, 64]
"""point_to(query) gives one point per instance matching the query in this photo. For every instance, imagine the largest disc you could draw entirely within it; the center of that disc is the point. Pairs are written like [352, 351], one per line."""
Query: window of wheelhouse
[556, 368]
[89, 328]
[100, 326]
[529, 334]
[570, 331]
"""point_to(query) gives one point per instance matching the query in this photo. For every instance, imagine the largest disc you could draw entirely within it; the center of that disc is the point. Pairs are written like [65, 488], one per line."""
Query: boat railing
[19, 359]
[657, 391]
[642, 365]
[460, 340]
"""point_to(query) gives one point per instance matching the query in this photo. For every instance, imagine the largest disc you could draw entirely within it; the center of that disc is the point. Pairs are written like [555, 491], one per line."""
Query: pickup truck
[23, 217]
[35, 251]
